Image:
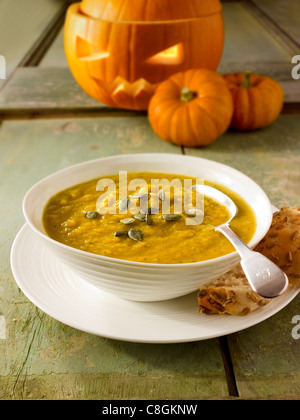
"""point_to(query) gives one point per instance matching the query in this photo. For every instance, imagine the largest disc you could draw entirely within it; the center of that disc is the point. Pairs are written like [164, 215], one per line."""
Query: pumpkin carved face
[119, 50]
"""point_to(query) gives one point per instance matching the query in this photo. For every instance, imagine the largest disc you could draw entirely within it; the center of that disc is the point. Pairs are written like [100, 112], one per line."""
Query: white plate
[50, 285]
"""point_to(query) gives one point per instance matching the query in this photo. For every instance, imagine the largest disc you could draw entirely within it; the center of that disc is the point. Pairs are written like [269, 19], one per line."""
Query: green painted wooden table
[48, 123]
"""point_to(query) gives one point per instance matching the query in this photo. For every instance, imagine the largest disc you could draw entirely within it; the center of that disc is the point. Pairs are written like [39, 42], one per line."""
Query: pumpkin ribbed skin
[258, 100]
[118, 58]
[197, 122]
[149, 10]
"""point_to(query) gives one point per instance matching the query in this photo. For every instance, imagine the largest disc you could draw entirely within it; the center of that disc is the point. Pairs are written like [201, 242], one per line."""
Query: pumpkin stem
[246, 80]
[187, 95]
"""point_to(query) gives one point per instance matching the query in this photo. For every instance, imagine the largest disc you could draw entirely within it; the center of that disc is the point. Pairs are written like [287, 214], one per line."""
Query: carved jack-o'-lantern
[119, 50]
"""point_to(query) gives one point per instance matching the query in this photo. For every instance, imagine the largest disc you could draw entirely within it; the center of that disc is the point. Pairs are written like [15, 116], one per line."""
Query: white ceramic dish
[57, 291]
[142, 281]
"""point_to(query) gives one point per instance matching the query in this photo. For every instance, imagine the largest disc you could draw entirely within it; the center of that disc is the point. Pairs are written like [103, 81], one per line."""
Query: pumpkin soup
[160, 226]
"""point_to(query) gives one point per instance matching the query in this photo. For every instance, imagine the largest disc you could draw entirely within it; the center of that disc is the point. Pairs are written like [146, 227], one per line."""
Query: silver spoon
[265, 277]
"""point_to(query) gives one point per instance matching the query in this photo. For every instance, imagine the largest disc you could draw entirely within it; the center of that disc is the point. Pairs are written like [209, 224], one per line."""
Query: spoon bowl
[219, 197]
[265, 277]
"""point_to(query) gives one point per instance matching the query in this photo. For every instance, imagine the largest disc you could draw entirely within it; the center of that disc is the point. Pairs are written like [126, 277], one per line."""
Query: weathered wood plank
[55, 56]
[54, 90]
[247, 42]
[46, 359]
[285, 14]
[21, 25]
[35, 89]
[266, 356]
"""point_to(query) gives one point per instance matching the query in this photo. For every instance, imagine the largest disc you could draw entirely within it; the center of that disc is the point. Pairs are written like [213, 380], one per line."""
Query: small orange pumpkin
[258, 100]
[191, 108]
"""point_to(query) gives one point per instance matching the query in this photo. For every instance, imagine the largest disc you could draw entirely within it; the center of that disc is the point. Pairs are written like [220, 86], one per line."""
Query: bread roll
[282, 242]
[229, 294]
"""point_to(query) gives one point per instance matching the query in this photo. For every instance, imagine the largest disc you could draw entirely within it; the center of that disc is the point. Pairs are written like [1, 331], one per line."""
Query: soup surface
[147, 224]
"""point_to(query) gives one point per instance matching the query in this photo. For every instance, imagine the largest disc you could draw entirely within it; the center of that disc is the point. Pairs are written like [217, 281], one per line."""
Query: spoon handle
[265, 277]
[243, 250]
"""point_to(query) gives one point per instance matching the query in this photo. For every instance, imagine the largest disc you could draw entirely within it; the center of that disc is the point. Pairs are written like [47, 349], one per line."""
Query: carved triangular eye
[87, 51]
[171, 56]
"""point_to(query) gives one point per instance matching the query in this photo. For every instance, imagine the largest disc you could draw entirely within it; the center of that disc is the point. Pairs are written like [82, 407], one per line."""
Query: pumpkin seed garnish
[121, 234]
[139, 216]
[171, 217]
[91, 214]
[124, 204]
[135, 234]
[150, 210]
[127, 221]
[161, 195]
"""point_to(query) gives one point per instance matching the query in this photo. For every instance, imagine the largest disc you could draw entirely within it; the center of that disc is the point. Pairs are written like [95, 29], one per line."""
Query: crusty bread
[232, 294]
[229, 294]
[282, 242]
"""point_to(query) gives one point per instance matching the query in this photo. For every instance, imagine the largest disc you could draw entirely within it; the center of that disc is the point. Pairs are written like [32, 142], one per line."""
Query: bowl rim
[120, 261]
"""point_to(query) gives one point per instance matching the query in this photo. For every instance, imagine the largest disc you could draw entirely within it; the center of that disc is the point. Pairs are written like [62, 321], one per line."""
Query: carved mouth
[126, 94]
